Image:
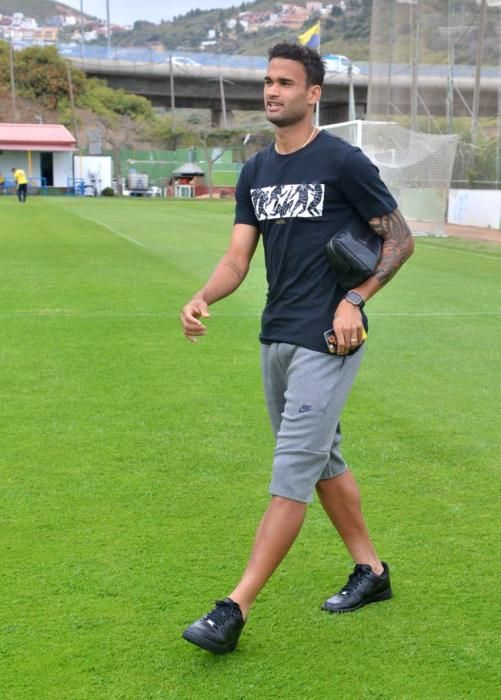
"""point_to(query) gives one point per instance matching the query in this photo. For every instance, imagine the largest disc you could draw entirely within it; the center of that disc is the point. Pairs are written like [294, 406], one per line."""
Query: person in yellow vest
[21, 184]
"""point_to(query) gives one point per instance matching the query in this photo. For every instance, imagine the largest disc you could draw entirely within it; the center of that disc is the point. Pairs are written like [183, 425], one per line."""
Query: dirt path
[472, 233]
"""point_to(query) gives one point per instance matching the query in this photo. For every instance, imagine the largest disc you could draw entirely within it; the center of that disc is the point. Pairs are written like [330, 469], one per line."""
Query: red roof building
[43, 151]
[36, 137]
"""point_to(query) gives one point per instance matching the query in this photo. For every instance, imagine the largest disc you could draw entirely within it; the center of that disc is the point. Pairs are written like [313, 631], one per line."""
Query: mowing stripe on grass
[128, 455]
[476, 253]
[111, 230]
[61, 313]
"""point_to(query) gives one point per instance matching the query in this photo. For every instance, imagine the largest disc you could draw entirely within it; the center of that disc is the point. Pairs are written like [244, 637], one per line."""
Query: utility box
[94, 172]
[138, 182]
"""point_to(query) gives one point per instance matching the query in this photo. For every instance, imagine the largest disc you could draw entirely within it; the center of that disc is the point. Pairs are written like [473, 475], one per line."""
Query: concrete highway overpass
[199, 87]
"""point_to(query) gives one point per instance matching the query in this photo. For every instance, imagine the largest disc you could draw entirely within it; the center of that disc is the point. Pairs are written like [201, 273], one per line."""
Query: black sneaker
[363, 587]
[219, 630]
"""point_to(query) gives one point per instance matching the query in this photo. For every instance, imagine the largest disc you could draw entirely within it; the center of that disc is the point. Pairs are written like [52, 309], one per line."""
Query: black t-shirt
[298, 201]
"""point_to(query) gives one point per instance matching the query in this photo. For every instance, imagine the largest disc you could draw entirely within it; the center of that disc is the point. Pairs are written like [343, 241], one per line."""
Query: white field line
[430, 243]
[110, 229]
[117, 233]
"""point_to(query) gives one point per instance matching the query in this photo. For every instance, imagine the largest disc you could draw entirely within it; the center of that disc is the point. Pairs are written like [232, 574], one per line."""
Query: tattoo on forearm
[397, 246]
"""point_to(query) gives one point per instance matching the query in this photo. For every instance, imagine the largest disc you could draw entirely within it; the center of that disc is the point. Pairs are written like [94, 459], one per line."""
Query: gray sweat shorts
[305, 393]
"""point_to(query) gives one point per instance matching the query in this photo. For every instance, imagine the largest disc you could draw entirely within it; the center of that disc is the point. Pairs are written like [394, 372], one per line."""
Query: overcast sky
[128, 11]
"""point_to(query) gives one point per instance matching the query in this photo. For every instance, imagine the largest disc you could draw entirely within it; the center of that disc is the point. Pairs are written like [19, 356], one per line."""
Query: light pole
[12, 81]
[478, 68]
[414, 63]
[108, 29]
[414, 57]
[81, 30]
[450, 77]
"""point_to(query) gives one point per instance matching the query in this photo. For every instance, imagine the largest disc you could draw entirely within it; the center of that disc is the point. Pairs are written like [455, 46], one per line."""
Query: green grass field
[134, 470]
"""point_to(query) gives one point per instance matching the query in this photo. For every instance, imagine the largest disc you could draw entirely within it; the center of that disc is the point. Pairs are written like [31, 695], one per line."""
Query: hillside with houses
[44, 23]
[246, 29]
[249, 29]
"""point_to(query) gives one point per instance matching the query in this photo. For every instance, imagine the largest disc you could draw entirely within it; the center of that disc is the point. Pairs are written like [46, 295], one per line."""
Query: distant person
[2, 183]
[295, 194]
[21, 184]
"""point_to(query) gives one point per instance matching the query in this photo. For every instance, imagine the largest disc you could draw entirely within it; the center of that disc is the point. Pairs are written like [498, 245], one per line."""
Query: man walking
[21, 184]
[295, 194]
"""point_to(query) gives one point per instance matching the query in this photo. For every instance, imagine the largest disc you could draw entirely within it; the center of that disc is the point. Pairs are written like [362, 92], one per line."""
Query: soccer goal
[416, 167]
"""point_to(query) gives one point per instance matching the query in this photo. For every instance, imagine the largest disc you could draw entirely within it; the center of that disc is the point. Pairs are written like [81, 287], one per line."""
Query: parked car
[184, 61]
[335, 63]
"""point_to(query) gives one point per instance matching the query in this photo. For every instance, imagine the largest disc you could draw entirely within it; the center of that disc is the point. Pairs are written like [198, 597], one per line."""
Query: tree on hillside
[102, 99]
[119, 131]
[216, 142]
[172, 133]
[41, 74]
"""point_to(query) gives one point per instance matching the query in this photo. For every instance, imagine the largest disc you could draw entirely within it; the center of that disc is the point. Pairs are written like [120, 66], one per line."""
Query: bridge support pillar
[217, 118]
[340, 113]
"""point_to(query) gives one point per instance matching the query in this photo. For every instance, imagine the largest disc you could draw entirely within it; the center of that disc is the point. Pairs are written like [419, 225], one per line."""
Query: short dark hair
[311, 60]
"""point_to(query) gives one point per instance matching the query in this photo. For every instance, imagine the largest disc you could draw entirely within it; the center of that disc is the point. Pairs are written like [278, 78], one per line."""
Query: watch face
[355, 298]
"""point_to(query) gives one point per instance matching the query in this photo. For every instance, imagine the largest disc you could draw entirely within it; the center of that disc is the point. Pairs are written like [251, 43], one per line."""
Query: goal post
[416, 167]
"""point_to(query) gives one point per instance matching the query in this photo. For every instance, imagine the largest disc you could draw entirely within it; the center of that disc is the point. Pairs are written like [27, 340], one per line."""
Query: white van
[184, 61]
[334, 63]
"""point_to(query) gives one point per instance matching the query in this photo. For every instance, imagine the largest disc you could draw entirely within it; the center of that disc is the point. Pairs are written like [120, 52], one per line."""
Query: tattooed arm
[397, 247]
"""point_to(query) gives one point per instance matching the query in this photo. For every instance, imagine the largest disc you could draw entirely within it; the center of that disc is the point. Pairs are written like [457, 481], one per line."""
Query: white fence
[475, 208]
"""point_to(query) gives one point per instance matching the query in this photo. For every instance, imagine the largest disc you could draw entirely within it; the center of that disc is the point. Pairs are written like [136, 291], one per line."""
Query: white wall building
[43, 151]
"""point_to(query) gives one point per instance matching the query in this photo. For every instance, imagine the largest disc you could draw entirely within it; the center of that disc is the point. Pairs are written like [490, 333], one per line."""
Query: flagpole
[317, 111]
[305, 38]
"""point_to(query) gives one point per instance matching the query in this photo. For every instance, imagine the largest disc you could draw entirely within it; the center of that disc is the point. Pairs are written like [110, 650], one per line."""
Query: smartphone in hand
[331, 341]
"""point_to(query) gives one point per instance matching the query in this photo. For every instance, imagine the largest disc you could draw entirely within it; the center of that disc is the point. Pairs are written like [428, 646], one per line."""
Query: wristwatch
[355, 298]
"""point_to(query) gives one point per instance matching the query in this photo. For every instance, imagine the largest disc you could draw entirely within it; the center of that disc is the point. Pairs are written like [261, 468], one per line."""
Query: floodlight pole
[414, 63]
[72, 99]
[108, 29]
[12, 82]
[478, 68]
[81, 30]
[450, 77]
[390, 61]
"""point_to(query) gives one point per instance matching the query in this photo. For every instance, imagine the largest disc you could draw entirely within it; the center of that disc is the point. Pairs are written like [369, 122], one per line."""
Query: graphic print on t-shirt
[287, 201]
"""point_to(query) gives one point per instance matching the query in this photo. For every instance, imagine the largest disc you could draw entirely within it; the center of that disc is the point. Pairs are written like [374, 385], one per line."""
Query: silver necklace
[300, 147]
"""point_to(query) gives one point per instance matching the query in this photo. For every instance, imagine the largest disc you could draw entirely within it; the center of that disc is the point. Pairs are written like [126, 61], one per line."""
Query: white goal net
[416, 167]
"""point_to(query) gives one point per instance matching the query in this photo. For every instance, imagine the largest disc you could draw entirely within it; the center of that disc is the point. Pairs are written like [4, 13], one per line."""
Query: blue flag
[311, 37]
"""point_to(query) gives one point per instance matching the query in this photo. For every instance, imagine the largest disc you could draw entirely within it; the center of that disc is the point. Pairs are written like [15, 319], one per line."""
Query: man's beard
[283, 121]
